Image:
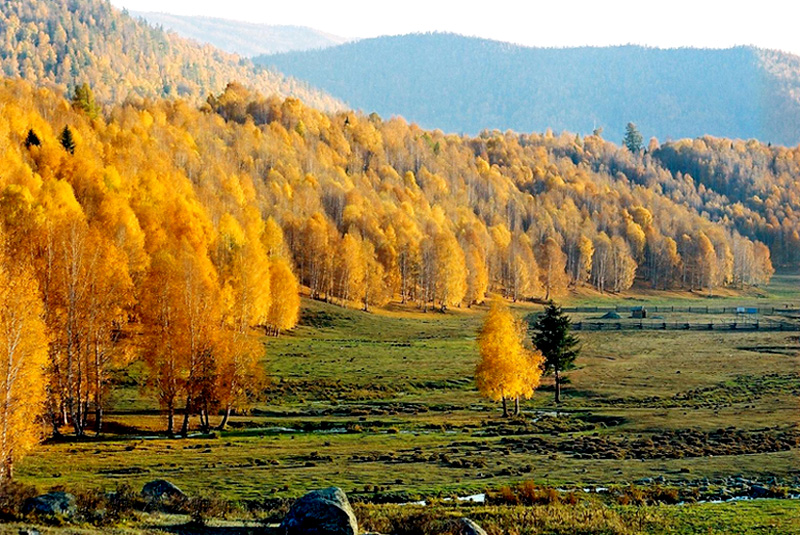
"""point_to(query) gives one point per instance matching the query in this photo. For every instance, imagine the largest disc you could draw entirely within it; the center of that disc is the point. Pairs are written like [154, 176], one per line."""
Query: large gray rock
[51, 504]
[468, 527]
[321, 512]
[160, 490]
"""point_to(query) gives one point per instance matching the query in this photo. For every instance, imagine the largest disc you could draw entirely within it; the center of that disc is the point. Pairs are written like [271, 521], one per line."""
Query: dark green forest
[464, 85]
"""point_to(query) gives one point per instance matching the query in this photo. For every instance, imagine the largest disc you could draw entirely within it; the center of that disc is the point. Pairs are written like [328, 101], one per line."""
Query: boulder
[465, 526]
[758, 491]
[51, 504]
[160, 490]
[321, 512]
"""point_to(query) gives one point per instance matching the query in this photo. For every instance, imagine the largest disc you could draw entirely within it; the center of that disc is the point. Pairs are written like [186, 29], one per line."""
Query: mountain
[462, 84]
[70, 42]
[243, 38]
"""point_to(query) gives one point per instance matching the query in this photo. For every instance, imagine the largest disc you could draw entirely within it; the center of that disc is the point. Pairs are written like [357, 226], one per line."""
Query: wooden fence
[767, 311]
[683, 326]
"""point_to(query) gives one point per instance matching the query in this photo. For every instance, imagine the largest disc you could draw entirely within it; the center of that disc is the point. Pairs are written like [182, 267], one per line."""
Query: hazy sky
[700, 23]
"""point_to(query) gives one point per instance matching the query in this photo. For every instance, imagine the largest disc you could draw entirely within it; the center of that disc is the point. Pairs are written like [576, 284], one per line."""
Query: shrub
[12, 498]
[202, 508]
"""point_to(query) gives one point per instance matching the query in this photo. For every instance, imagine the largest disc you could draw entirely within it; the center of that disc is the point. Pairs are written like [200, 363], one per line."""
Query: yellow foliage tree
[23, 357]
[506, 370]
[285, 309]
[552, 268]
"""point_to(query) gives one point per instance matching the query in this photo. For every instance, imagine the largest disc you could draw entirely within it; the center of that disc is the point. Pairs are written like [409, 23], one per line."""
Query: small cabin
[639, 313]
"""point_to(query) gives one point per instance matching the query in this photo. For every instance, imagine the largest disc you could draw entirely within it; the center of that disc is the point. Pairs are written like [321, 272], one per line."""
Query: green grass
[386, 400]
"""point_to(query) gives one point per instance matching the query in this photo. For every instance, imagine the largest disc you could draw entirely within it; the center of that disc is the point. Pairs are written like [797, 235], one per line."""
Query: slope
[462, 84]
[71, 42]
[243, 38]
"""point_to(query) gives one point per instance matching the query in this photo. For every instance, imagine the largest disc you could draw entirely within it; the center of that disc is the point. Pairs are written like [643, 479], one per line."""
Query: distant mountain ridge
[244, 38]
[463, 84]
[66, 43]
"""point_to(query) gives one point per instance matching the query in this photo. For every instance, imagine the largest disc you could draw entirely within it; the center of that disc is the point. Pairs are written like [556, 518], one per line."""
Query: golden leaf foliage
[506, 369]
[119, 56]
[23, 359]
[184, 212]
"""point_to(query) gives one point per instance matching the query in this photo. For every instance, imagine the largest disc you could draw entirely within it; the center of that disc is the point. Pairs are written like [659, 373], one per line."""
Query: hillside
[243, 38]
[67, 43]
[372, 210]
[461, 84]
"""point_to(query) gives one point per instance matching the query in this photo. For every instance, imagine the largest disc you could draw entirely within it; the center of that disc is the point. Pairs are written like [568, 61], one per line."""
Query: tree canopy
[552, 336]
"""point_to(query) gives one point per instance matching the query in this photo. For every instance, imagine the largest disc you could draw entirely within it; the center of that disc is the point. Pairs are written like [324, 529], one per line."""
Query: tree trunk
[7, 473]
[558, 386]
[186, 413]
[516, 406]
[171, 421]
[98, 392]
[225, 418]
[98, 419]
[505, 408]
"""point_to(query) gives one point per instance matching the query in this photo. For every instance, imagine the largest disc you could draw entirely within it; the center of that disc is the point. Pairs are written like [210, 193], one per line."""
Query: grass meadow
[383, 405]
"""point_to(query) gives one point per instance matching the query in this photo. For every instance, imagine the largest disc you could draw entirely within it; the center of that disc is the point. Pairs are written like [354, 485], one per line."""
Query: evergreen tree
[552, 337]
[633, 139]
[83, 99]
[67, 141]
[32, 139]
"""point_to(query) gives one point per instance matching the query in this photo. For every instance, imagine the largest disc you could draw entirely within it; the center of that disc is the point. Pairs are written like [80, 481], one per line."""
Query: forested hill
[355, 208]
[461, 84]
[70, 42]
[245, 38]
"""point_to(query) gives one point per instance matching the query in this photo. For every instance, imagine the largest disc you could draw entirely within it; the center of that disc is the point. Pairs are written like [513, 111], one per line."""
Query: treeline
[443, 219]
[758, 184]
[70, 42]
[171, 234]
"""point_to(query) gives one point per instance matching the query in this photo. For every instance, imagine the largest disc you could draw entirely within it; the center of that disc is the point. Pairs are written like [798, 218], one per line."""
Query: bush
[107, 508]
[12, 498]
[122, 502]
[528, 493]
[202, 508]
[92, 506]
[402, 520]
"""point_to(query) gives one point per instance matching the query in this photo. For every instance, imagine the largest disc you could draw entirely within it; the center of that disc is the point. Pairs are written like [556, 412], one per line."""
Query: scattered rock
[51, 504]
[28, 531]
[160, 490]
[468, 527]
[321, 512]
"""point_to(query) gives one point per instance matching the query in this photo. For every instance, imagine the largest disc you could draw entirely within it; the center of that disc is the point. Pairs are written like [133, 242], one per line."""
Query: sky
[556, 23]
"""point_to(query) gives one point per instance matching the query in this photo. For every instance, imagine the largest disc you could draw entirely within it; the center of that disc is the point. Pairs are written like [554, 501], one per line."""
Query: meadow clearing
[384, 406]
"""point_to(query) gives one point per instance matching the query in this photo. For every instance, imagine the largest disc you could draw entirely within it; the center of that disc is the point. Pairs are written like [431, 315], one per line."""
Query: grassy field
[383, 404]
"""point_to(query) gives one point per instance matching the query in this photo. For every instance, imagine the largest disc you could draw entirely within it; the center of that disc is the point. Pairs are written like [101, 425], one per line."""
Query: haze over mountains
[88, 41]
[462, 84]
[243, 38]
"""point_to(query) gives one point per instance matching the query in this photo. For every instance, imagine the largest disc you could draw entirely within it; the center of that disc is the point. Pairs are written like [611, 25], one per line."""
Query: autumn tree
[23, 358]
[552, 337]
[506, 370]
[284, 311]
[236, 350]
[552, 268]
